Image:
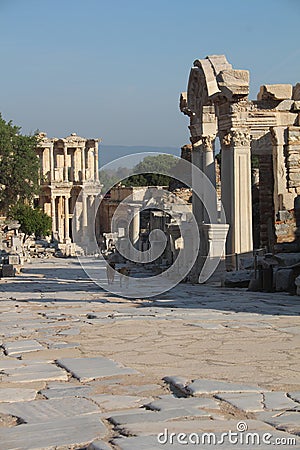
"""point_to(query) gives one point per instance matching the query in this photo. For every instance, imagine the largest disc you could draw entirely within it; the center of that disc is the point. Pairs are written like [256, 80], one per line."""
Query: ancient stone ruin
[218, 106]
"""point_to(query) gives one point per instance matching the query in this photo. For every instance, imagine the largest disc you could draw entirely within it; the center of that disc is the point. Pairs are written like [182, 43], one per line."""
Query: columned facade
[69, 174]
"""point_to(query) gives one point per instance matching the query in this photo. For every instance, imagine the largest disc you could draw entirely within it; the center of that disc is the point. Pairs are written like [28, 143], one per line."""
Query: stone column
[83, 163]
[96, 162]
[135, 227]
[60, 214]
[67, 218]
[53, 213]
[84, 210]
[66, 174]
[236, 190]
[51, 150]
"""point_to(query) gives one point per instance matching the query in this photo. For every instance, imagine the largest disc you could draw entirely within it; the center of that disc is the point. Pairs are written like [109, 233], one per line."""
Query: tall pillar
[83, 163]
[84, 210]
[60, 215]
[67, 218]
[135, 227]
[53, 213]
[51, 163]
[96, 162]
[236, 190]
[66, 174]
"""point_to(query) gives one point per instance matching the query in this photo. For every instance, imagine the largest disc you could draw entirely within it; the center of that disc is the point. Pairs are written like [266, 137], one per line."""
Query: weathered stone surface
[17, 394]
[19, 347]
[99, 445]
[249, 402]
[169, 402]
[275, 92]
[74, 391]
[284, 280]
[87, 369]
[115, 402]
[138, 416]
[72, 431]
[40, 411]
[35, 371]
[295, 396]
[278, 401]
[238, 279]
[214, 387]
[288, 421]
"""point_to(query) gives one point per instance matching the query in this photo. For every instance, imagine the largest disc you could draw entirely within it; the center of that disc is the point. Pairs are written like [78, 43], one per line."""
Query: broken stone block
[275, 92]
[238, 279]
[284, 280]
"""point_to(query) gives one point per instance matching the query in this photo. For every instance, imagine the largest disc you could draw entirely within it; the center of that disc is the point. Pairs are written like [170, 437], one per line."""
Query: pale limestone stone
[17, 394]
[86, 369]
[275, 92]
[40, 411]
[19, 347]
[76, 431]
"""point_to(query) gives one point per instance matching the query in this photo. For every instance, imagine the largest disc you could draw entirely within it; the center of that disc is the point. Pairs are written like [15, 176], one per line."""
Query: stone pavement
[84, 369]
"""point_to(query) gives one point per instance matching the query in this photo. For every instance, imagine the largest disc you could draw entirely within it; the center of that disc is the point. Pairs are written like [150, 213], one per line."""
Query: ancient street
[82, 368]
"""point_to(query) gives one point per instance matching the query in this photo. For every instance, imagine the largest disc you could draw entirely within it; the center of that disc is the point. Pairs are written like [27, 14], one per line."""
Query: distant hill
[108, 153]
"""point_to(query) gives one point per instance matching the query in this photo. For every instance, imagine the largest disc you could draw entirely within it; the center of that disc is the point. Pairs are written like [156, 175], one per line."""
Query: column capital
[236, 138]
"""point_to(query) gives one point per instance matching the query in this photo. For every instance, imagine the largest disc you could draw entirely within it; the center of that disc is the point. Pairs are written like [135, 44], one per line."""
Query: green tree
[151, 168]
[32, 220]
[19, 166]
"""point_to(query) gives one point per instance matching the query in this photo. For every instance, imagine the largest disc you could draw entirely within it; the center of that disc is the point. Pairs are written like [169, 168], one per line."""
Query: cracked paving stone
[34, 371]
[17, 394]
[88, 369]
[167, 402]
[249, 401]
[202, 386]
[99, 445]
[295, 396]
[40, 411]
[288, 421]
[76, 431]
[19, 347]
[278, 401]
[61, 392]
[115, 402]
[140, 415]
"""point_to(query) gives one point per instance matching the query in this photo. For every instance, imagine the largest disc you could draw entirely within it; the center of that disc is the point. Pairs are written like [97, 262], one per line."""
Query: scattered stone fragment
[88, 369]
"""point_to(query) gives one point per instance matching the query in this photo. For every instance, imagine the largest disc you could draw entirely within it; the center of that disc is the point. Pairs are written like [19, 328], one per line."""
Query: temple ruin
[217, 105]
[69, 167]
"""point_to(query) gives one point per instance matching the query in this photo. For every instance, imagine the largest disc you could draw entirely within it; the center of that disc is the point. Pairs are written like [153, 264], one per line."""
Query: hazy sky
[114, 69]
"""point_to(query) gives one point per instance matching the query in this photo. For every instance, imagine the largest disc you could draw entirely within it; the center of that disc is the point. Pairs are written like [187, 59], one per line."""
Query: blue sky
[115, 69]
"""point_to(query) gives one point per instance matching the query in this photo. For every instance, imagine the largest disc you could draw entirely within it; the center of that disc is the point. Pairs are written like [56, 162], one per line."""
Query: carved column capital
[237, 138]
